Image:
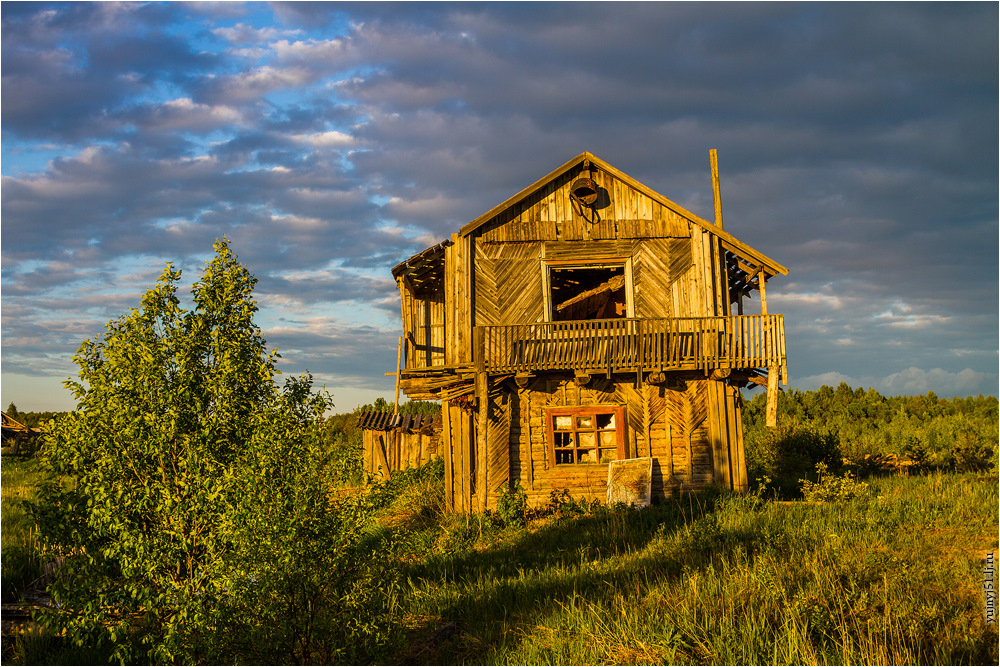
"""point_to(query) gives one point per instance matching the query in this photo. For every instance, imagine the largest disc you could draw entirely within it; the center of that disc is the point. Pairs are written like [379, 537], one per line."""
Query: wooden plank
[381, 461]
[741, 452]
[718, 433]
[737, 457]
[480, 441]
[716, 195]
[772, 396]
[446, 443]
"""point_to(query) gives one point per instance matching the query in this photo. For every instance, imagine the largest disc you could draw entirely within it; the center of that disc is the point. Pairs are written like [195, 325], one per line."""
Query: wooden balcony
[687, 343]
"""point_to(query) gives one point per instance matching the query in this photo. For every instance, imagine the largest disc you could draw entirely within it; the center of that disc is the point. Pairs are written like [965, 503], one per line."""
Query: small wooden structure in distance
[16, 434]
[588, 319]
[396, 442]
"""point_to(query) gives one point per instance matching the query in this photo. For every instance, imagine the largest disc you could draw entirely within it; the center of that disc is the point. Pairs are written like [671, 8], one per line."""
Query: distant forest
[860, 425]
[960, 433]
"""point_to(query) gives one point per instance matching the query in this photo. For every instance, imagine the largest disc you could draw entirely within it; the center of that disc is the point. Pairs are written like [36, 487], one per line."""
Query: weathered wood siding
[676, 269]
[400, 449]
[459, 456]
[508, 285]
[458, 300]
[673, 425]
[548, 215]
[423, 328]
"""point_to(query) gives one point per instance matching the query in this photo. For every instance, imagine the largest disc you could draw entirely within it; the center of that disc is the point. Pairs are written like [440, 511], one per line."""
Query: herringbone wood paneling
[518, 285]
[498, 440]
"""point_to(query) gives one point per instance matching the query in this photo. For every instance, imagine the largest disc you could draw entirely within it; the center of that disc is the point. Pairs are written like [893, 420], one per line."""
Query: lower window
[591, 434]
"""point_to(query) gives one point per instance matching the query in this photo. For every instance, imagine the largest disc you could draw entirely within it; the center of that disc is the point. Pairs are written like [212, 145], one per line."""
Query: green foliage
[193, 496]
[829, 487]
[958, 433]
[12, 411]
[512, 505]
[21, 550]
[787, 453]
[38, 419]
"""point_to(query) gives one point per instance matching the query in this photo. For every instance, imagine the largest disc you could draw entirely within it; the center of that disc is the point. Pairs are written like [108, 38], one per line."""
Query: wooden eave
[753, 257]
[424, 271]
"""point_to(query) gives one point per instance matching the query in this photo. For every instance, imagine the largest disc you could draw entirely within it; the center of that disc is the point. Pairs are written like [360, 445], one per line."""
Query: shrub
[971, 450]
[194, 499]
[512, 506]
[789, 452]
[829, 487]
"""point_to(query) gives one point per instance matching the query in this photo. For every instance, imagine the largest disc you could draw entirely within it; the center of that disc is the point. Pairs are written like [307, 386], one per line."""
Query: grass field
[710, 578]
[20, 562]
[892, 579]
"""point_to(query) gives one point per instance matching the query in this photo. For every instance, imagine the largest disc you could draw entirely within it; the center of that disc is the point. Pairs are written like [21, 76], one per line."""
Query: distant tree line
[864, 427]
[31, 419]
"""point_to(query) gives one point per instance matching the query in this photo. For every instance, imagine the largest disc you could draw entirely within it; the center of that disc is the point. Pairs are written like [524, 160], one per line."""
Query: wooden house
[584, 320]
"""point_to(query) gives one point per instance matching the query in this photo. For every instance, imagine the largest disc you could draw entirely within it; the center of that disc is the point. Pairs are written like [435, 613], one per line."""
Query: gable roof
[756, 259]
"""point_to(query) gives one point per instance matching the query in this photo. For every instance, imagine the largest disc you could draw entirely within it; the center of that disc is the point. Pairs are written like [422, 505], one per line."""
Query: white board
[630, 481]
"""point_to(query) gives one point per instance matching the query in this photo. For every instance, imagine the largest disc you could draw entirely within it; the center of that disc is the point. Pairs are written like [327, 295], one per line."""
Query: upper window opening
[587, 293]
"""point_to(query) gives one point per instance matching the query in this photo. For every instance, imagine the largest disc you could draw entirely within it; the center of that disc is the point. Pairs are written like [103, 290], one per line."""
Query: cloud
[329, 142]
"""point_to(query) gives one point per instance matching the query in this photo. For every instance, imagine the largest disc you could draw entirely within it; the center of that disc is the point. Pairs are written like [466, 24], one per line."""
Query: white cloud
[241, 33]
[919, 381]
[328, 139]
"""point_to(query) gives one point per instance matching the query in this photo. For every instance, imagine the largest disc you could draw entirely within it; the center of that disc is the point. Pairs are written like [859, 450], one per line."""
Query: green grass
[709, 579]
[19, 548]
[893, 577]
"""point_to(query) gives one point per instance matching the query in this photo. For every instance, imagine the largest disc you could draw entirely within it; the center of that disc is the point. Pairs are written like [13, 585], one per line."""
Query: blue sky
[857, 145]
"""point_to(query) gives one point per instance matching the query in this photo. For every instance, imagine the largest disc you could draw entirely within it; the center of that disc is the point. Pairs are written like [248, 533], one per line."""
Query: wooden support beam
[399, 355]
[481, 441]
[772, 396]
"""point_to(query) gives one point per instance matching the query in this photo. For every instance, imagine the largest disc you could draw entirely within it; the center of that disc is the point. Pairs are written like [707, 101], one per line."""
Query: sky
[857, 143]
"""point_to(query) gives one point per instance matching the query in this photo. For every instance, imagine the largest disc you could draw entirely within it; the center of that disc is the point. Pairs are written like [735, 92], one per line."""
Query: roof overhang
[424, 272]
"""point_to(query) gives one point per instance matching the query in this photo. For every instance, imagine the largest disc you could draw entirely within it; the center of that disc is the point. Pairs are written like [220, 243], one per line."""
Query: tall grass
[716, 579]
[19, 548]
[893, 577]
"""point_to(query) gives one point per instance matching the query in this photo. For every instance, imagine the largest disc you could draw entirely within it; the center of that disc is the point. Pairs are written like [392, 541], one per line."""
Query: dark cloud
[329, 141]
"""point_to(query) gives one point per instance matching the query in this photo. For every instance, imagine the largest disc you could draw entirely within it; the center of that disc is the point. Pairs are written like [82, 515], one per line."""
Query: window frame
[581, 411]
[607, 263]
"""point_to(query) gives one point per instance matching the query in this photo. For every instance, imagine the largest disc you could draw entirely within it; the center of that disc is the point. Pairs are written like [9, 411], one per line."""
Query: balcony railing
[684, 343]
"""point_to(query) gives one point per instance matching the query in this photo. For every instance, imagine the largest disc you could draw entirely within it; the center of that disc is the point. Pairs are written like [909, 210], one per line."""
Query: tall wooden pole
[715, 187]
[399, 355]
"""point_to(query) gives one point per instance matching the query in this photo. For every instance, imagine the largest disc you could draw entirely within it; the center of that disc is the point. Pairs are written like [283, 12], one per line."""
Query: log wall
[685, 428]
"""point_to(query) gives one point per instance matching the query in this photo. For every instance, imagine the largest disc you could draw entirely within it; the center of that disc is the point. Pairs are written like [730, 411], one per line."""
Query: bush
[193, 496]
[788, 453]
[829, 487]
[971, 450]
[512, 506]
